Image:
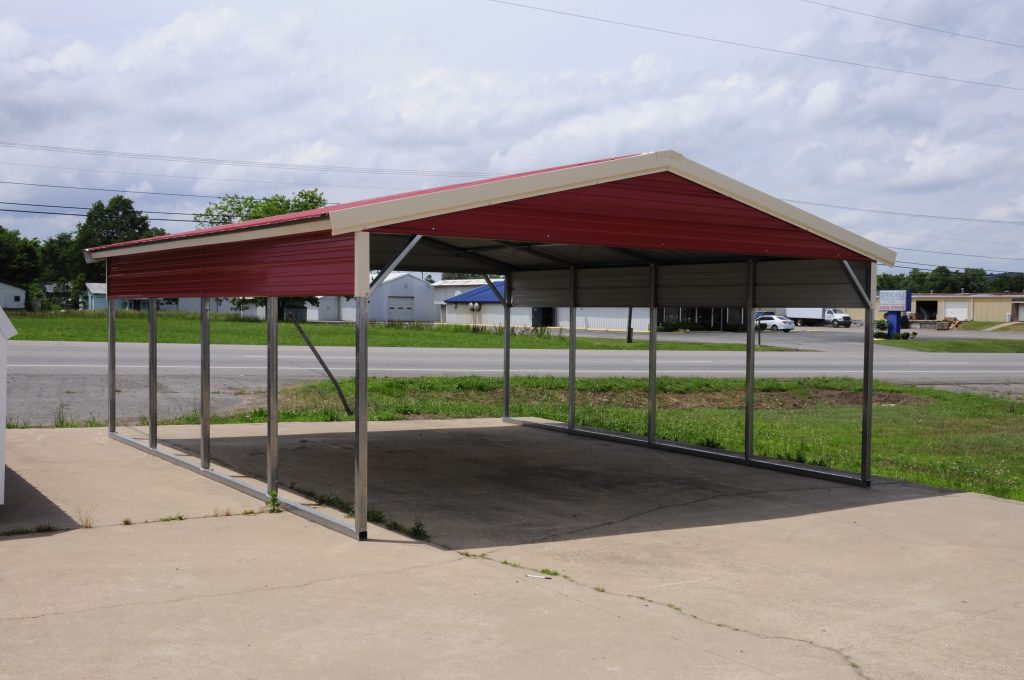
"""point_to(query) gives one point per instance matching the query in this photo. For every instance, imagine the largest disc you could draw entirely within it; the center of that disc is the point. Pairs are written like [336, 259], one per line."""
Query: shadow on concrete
[486, 486]
[27, 508]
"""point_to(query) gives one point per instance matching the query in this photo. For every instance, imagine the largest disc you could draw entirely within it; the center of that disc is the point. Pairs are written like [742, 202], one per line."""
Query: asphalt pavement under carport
[670, 566]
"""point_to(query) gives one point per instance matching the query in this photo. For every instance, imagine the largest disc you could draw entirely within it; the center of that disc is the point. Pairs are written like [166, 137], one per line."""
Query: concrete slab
[670, 567]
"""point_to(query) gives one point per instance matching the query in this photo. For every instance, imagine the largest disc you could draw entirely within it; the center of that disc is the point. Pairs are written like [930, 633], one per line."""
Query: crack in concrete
[837, 651]
[213, 596]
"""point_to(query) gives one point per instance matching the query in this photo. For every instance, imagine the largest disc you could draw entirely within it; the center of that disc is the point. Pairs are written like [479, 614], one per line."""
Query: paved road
[45, 375]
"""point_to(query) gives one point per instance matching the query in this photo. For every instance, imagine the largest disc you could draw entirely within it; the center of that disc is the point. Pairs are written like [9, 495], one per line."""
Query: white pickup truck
[817, 316]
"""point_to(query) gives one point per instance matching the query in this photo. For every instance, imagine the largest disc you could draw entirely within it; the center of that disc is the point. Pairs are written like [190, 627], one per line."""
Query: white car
[773, 322]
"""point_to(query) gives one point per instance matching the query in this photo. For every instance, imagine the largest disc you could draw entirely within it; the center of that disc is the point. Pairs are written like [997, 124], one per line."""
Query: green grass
[977, 325]
[812, 420]
[226, 329]
[959, 345]
[1017, 327]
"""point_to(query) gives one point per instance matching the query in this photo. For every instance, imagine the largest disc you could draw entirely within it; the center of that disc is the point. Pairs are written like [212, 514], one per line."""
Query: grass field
[959, 345]
[180, 327]
[977, 325]
[815, 421]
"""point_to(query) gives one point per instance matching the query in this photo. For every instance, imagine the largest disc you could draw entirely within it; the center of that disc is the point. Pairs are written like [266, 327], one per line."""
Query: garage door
[957, 309]
[400, 308]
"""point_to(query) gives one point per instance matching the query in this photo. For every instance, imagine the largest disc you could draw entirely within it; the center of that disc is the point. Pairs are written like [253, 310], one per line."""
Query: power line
[932, 264]
[249, 164]
[76, 207]
[984, 257]
[908, 23]
[114, 191]
[48, 212]
[904, 214]
[773, 50]
[205, 179]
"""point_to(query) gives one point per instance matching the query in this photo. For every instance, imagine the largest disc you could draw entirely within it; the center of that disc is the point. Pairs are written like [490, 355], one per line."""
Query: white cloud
[494, 89]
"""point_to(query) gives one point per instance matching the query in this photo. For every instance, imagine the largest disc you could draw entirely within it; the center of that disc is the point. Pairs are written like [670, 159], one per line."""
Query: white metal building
[11, 296]
[403, 296]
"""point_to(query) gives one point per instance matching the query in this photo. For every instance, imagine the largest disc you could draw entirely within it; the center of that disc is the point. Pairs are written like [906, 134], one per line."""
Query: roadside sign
[894, 300]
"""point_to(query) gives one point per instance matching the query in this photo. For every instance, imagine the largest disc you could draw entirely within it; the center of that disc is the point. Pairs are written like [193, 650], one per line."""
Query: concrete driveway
[669, 566]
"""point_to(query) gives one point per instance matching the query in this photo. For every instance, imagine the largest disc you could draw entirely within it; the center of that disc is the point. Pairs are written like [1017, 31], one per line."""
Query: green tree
[20, 259]
[114, 222]
[892, 282]
[234, 208]
[974, 280]
[942, 280]
[917, 281]
[1007, 282]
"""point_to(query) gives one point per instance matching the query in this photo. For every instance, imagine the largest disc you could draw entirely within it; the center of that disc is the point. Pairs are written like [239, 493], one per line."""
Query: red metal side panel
[661, 211]
[305, 264]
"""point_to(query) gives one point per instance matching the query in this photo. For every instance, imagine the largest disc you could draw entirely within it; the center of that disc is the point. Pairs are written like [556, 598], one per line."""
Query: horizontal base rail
[341, 526]
[700, 451]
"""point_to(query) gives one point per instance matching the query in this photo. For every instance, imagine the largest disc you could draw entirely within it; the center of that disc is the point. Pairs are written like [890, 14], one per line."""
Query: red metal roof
[276, 220]
[660, 211]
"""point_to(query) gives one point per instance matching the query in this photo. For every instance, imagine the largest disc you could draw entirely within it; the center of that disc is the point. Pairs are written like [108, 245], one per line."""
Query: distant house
[480, 307]
[403, 296]
[95, 298]
[12, 296]
[448, 288]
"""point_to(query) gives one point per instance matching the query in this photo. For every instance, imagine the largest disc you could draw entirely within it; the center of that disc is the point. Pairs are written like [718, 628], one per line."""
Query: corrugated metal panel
[709, 285]
[541, 289]
[604, 318]
[803, 283]
[660, 211]
[622, 287]
[307, 264]
[489, 314]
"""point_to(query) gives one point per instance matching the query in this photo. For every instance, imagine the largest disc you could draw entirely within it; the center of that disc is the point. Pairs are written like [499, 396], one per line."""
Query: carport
[647, 230]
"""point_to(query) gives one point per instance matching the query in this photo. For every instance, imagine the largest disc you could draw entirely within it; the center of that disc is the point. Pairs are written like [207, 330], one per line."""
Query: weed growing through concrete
[273, 502]
[86, 516]
[173, 518]
[599, 589]
[126, 521]
[549, 572]
[248, 511]
[514, 565]
[37, 529]
[475, 556]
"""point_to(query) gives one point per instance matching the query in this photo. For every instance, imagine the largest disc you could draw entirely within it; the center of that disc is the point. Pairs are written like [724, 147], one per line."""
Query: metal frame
[572, 349]
[323, 364]
[362, 427]
[272, 448]
[111, 367]
[652, 361]
[153, 303]
[748, 457]
[204, 383]
[867, 406]
[182, 460]
[748, 418]
[506, 353]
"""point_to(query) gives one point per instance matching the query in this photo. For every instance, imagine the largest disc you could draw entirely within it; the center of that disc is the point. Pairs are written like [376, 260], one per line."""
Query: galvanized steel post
[748, 418]
[204, 383]
[652, 361]
[153, 303]
[869, 395]
[271, 395]
[572, 348]
[506, 370]
[362, 429]
[111, 367]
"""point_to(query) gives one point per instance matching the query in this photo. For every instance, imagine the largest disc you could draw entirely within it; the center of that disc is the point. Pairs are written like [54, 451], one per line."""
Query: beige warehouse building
[969, 306]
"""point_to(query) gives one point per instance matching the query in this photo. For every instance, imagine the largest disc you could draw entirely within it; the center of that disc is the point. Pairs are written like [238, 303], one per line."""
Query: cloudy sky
[402, 94]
